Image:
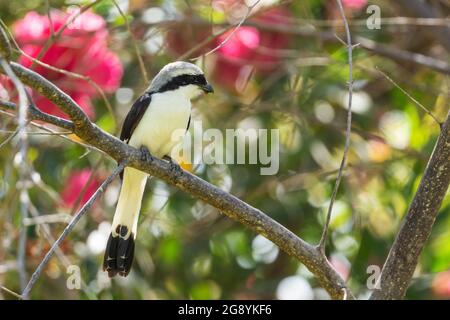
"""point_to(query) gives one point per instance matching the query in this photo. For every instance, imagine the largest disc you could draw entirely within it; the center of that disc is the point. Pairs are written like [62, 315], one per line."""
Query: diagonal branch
[69, 228]
[135, 44]
[36, 114]
[228, 204]
[348, 131]
[416, 228]
[380, 49]
[22, 168]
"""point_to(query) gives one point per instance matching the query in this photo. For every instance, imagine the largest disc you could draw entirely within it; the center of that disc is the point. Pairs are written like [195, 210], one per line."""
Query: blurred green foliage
[186, 249]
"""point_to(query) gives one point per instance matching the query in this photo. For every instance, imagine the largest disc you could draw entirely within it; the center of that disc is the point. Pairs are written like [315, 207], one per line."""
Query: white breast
[168, 111]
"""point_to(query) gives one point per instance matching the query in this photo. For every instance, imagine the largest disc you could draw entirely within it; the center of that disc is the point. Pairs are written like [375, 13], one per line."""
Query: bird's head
[183, 76]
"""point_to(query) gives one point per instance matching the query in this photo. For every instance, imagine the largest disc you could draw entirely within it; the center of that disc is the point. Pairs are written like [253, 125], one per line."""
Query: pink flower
[441, 285]
[354, 4]
[181, 37]
[268, 52]
[241, 47]
[341, 265]
[75, 184]
[250, 46]
[82, 48]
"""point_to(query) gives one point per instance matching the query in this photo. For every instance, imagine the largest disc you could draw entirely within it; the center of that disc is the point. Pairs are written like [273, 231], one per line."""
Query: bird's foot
[174, 167]
[145, 154]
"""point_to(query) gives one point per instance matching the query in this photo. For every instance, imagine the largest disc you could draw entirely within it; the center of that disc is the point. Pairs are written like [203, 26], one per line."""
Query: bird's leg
[174, 167]
[145, 154]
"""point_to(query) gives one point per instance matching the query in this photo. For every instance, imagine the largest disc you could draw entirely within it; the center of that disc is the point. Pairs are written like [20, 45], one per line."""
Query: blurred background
[284, 69]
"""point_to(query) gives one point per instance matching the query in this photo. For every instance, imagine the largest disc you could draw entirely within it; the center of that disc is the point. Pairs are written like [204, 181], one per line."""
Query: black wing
[134, 116]
[189, 123]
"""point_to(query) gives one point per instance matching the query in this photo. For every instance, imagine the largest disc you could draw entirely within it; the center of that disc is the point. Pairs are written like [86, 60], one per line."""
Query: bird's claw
[174, 167]
[145, 154]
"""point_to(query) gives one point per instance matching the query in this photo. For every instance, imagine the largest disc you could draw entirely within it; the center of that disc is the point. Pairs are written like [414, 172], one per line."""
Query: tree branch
[36, 114]
[348, 130]
[416, 228]
[422, 9]
[69, 228]
[377, 48]
[228, 204]
[22, 166]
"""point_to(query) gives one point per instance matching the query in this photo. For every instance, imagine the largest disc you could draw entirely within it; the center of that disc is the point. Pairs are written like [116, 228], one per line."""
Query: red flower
[75, 184]
[250, 46]
[181, 37]
[354, 4]
[81, 48]
[242, 45]
[441, 285]
[268, 52]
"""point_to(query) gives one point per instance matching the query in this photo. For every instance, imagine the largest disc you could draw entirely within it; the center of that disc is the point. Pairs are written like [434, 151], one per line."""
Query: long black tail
[119, 252]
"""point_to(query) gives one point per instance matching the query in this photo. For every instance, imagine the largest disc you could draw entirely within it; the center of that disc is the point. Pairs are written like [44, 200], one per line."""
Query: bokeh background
[282, 69]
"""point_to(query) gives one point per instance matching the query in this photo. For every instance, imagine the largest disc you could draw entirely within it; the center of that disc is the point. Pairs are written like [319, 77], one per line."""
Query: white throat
[168, 112]
[190, 91]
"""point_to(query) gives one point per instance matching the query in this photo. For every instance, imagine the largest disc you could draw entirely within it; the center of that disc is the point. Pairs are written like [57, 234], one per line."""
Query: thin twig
[135, 44]
[224, 42]
[69, 228]
[70, 74]
[10, 137]
[410, 97]
[83, 190]
[49, 16]
[58, 33]
[77, 76]
[38, 219]
[35, 114]
[33, 133]
[56, 133]
[18, 296]
[203, 44]
[59, 253]
[380, 49]
[389, 21]
[228, 204]
[22, 166]
[323, 239]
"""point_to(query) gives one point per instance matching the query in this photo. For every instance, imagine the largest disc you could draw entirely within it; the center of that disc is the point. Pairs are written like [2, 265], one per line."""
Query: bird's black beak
[207, 88]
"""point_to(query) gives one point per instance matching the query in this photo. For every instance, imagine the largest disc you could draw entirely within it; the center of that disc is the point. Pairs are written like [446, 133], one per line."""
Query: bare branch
[58, 34]
[236, 28]
[59, 134]
[349, 46]
[187, 182]
[18, 296]
[423, 9]
[416, 228]
[9, 138]
[22, 167]
[135, 44]
[69, 228]
[42, 221]
[62, 71]
[403, 55]
[410, 97]
[36, 114]
[365, 43]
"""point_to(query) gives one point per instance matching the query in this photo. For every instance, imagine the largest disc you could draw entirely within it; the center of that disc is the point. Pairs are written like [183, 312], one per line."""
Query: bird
[163, 108]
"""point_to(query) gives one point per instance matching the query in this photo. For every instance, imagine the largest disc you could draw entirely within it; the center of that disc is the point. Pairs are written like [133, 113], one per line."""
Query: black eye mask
[183, 80]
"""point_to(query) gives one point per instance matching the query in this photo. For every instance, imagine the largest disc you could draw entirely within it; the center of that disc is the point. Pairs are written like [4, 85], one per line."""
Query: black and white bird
[163, 108]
